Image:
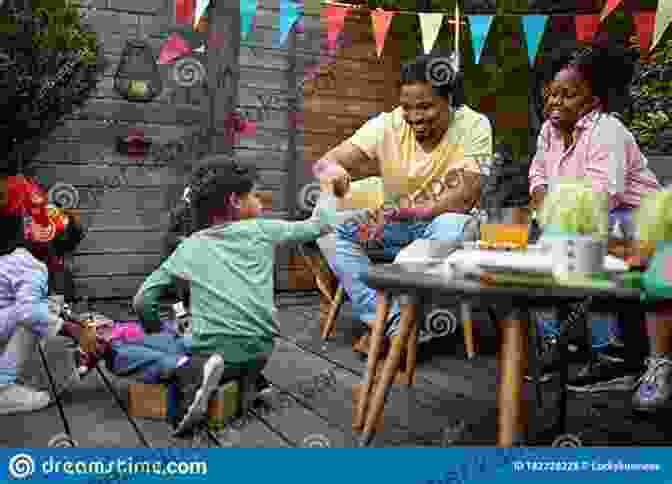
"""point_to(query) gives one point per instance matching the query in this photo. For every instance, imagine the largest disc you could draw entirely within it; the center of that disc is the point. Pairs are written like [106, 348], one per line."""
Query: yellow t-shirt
[411, 176]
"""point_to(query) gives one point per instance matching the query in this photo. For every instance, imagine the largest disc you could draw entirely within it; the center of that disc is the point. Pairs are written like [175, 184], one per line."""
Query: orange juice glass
[507, 233]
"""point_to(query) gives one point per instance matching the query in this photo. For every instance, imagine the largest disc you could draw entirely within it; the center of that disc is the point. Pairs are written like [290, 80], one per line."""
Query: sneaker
[263, 386]
[604, 373]
[212, 374]
[654, 388]
[15, 398]
[549, 359]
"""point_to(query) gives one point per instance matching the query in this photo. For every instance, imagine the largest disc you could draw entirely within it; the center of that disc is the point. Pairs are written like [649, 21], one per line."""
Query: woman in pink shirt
[583, 137]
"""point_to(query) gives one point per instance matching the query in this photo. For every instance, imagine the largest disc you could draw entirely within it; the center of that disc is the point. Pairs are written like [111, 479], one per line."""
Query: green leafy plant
[50, 62]
[654, 217]
[574, 208]
[649, 117]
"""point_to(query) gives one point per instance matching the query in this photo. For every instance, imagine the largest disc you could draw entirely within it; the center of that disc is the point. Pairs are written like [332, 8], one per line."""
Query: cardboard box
[223, 406]
[148, 401]
[151, 401]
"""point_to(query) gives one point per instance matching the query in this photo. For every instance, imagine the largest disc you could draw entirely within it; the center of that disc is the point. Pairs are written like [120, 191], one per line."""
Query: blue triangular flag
[480, 27]
[534, 26]
[290, 13]
[248, 10]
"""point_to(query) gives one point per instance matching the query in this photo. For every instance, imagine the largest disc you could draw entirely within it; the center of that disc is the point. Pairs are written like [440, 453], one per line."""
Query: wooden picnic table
[413, 282]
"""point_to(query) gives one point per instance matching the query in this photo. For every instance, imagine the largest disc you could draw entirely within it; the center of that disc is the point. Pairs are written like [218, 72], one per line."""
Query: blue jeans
[156, 355]
[350, 262]
[603, 327]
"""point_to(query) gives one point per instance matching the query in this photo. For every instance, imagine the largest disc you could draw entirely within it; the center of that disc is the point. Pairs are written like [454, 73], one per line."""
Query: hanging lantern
[138, 77]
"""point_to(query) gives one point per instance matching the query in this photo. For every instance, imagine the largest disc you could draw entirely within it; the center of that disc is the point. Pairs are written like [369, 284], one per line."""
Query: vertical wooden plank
[292, 157]
[224, 69]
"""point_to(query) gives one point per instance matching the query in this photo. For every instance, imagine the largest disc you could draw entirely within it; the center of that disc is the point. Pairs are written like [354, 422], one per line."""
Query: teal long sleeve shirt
[230, 269]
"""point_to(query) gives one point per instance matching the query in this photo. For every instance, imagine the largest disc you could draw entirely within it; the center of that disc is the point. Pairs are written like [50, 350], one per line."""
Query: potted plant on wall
[575, 221]
[49, 64]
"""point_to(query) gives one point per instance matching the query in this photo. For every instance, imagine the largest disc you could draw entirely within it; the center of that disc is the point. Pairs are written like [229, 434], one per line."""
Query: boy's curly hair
[212, 181]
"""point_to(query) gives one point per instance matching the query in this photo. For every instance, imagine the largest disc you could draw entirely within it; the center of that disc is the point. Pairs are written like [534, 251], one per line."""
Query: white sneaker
[212, 374]
[16, 398]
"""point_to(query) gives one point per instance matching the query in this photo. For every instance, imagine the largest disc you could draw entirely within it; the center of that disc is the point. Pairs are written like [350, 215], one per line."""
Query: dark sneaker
[212, 374]
[604, 373]
[263, 386]
[654, 388]
[549, 359]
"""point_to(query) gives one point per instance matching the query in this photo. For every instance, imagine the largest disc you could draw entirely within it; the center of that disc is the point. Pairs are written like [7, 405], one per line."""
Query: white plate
[536, 262]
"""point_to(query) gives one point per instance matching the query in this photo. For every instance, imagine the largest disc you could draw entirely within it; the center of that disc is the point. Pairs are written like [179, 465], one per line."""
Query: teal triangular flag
[480, 27]
[290, 13]
[248, 10]
[534, 26]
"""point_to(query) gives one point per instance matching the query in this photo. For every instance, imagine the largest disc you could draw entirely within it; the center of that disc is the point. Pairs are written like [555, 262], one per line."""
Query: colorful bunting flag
[174, 48]
[430, 24]
[290, 12]
[184, 12]
[335, 16]
[609, 7]
[201, 7]
[663, 20]
[587, 26]
[381, 20]
[248, 14]
[534, 27]
[645, 21]
[480, 27]
[312, 7]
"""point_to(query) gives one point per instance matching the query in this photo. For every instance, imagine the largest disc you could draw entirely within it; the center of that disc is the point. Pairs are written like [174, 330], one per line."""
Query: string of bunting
[650, 25]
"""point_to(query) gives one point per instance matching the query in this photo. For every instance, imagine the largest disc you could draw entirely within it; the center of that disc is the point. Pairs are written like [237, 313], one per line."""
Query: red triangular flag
[381, 21]
[587, 26]
[184, 12]
[335, 23]
[609, 7]
[645, 21]
[173, 48]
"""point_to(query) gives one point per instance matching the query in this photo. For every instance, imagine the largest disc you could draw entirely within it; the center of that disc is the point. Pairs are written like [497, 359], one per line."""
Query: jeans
[158, 355]
[350, 263]
[603, 327]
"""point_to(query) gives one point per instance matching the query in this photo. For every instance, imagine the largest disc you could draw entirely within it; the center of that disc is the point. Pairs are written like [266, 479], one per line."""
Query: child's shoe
[15, 398]
[212, 374]
[654, 389]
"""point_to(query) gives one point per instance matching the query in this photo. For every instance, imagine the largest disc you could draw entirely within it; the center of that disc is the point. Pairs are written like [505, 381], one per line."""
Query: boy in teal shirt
[229, 264]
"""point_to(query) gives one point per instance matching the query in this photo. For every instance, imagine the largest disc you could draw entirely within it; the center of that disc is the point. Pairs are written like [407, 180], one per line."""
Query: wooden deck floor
[314, 403]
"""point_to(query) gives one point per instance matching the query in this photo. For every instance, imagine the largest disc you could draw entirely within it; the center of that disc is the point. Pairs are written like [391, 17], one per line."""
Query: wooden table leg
[468, 328]
[512, 414]
[334, 309]
[375, 350]
[392, 363]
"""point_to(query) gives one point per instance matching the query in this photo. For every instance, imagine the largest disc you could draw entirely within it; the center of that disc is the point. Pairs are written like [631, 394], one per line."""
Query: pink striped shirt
[604, 150]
